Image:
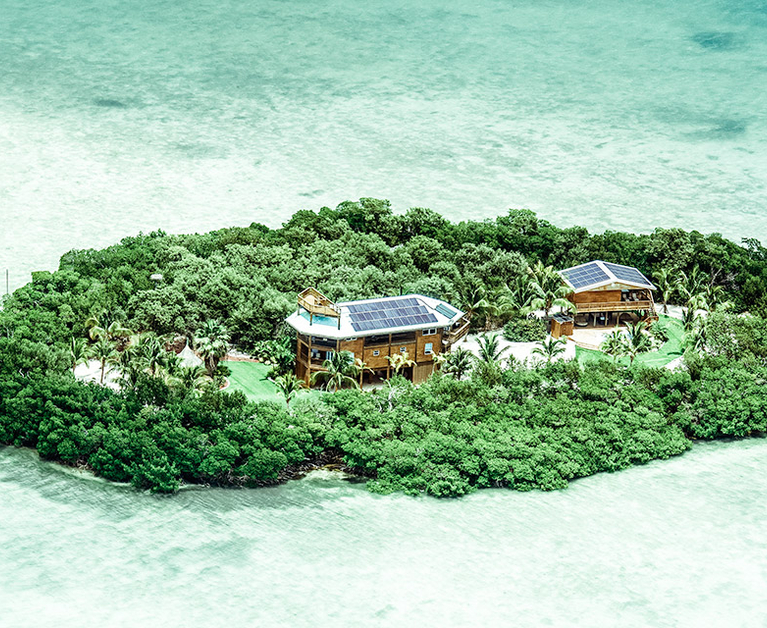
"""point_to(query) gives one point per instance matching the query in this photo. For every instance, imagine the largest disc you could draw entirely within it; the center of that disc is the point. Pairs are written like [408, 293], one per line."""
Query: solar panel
[627, 273]
[585, 275]
[445, 310]
[389, 314]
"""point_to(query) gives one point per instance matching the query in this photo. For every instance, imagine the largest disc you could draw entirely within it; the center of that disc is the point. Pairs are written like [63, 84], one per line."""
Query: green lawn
[670, 350]
[250, 378]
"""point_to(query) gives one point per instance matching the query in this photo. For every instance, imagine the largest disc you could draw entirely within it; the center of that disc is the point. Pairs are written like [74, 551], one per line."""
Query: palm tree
[458, 362]
[339, 371]
[95, 326]
[361, 367]
[637, 340]
[488, 366]
[522, 290]
[665, 286]
[693, 288]
[512, 300]
[150, 352]
[129, 376]
[289, 385]
[398, 361]
[78, 353]
[193, 378]
[103, 351]
[170, 368]
[695, 339]
[550, 348]
[489, 351]
[548, 289]
[614, 344]
[713, 298]
[690, 318]
[212, 343]
[476, 303]
[105, 326]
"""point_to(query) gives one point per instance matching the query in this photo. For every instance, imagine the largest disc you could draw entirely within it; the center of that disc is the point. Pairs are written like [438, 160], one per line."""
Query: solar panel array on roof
[445, 310]
[388, 314]
[627, 273]
[585, 275]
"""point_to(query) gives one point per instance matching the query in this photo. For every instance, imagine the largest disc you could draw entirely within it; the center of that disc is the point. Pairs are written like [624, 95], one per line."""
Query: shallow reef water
[118, 118]
[673, 543]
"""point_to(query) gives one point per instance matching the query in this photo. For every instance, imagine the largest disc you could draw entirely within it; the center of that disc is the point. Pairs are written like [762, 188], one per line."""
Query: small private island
[428, 357]
[414, 327]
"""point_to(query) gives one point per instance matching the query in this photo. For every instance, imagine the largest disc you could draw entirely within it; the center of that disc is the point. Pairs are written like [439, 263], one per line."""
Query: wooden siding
[414, 343]
[355, 346]
[379, 361]
[613, 301]
[596, 296]
[421, 341]
[407, 346]
[421, 372]
[561, 329]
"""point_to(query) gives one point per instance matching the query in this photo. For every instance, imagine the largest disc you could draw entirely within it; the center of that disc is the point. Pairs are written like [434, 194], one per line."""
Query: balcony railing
[456, 334]
[317, 303]
[614, 306]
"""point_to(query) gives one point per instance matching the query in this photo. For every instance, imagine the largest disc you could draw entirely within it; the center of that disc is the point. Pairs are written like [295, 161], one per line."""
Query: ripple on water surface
[673, 543]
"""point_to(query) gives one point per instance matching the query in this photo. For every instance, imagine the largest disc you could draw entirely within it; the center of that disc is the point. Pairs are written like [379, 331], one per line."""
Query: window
[329, 355]
[429, 332]
[428, 348]
[376, 353]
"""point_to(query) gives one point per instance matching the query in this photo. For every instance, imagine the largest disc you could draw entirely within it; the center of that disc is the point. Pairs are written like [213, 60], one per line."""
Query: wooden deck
[315, 302]
[456, 334]
[614, 306]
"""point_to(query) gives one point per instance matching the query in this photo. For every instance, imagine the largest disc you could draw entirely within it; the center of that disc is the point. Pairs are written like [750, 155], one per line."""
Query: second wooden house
[605, 294]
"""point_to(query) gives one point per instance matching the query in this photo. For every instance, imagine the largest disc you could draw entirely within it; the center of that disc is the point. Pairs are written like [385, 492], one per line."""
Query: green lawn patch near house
[669, 351]
[250, 378]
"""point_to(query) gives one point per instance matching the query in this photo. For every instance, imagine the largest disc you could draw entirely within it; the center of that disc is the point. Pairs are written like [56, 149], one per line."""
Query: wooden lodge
[372, 329]
[604, 294]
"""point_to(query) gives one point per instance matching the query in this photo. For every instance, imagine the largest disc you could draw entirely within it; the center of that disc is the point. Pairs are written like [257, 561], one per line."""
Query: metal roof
[373, 317]
[598, 274]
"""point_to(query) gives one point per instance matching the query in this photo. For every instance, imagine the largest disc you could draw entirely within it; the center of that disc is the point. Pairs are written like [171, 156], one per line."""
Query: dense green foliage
[500, 426]
[151, 438]
[524, 330]
[247, 278]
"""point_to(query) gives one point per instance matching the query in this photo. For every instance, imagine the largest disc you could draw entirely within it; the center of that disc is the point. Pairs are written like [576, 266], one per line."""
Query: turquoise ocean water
[674, 543]
[117, 117]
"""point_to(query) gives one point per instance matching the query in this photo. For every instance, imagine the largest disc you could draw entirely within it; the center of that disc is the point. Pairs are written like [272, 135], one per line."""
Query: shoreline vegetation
[483, 422]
